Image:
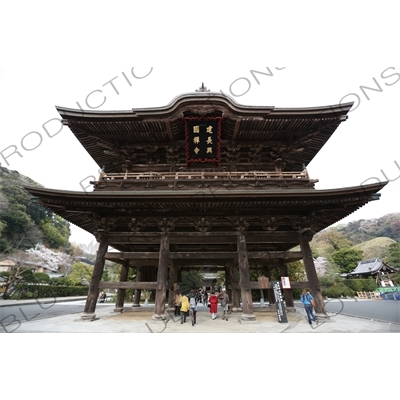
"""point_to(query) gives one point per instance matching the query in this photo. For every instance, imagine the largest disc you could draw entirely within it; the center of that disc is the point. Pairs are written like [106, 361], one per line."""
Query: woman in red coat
[213, 300]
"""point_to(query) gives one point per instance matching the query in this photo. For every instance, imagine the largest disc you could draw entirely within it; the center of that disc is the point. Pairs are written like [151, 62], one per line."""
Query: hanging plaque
[203, 140]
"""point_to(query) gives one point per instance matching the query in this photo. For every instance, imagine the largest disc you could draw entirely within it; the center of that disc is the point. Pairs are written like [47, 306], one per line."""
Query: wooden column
[119, 305]
[162, 279]
[270, 292]
[234, 277]
[173, 277]
[228, 284]
[312, 277]
[245, 286]
[138, 292]
[287, 293]
[91, 301]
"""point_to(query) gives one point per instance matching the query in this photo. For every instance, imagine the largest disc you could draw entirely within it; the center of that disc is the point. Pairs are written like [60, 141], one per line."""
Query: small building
[372, 267]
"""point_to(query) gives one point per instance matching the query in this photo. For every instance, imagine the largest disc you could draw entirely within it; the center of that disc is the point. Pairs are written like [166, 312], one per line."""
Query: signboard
[285, 282]
[280, 305]
[263, 282]
[203, 140]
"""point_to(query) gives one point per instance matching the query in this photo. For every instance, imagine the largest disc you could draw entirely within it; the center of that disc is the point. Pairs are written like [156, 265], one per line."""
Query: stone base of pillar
[158, 317]
[118, 309]
[135, 305]
[248, 317]
[237, 309]
[322, 316]
[88, 316]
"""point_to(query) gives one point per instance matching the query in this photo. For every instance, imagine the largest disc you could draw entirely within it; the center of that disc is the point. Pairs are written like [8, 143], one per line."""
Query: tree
[347, 259]
[80, 273]
[56, 261]
[328, 241]
[191, 280]
[19, 273]
[393, 258]
[56, 231]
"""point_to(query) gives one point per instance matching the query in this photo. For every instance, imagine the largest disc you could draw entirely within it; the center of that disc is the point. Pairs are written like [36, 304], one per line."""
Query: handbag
[312, 301]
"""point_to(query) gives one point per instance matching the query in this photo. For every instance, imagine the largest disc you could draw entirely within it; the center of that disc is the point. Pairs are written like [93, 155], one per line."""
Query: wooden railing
[202, 175]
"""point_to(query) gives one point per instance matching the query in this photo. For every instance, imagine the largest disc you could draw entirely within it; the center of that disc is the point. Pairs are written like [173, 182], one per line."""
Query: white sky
[365, 146]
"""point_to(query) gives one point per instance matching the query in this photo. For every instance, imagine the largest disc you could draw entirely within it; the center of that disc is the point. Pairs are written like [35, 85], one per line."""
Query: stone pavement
[139, 320]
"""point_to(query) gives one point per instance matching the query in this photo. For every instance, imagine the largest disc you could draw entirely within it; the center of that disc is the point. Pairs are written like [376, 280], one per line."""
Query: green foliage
[191, 280]
[56, 231]
[329, 241]
[347, 259]
[80, 272]
[360, 285]
[31, 291]
[112, 272]
[16, 219]
[331, 276]
[393, 257]
[24, 222]
[42, 277]
[338, 291]
[375, 248]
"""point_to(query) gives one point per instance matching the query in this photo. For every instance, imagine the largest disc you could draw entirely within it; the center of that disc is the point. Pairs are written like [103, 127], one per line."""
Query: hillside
[23, 222]
[375, 248]
[364, 230]
[373, 236]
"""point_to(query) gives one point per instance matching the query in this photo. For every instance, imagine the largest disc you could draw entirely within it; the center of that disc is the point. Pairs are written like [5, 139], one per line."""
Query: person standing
[193, 307]
[213, 300]
[184, 308]
[224, 304]
[177, 303]
[205, 298]
[306, 298]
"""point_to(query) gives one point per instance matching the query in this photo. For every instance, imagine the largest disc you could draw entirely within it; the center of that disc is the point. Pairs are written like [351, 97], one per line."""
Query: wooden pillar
[119, 305]
[91, 301]
[179, 276]
[162, 274]
[173, 276]
[228, 284]
[245, 287]
[311, 273]
[234, 277]
[287, 293]
[138, 292]
[270, 292]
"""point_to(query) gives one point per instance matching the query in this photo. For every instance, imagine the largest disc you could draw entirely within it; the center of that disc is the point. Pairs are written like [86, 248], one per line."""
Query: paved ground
[140, 321]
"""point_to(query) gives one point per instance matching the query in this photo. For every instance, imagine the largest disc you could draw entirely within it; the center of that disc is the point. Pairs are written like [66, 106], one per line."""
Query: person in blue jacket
[306, 298]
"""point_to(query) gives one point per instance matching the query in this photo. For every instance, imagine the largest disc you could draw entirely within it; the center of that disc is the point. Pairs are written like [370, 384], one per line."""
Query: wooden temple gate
[204, 180]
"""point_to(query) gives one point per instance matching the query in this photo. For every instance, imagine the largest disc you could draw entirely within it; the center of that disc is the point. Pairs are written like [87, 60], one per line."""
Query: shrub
[338, 291]
[42, 277]
[361, 285]
[26, 291]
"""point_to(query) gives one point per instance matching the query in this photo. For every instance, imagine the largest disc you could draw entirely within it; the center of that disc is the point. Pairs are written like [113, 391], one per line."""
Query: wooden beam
[128, 285]
[204, 237]
[294, 285]
[263, 255]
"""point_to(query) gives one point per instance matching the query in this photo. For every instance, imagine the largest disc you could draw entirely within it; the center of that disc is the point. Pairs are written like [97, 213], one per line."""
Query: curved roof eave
[229, 193]
[205, 99]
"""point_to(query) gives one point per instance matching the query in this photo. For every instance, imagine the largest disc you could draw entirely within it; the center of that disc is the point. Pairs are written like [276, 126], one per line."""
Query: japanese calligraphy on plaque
[203, 140]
